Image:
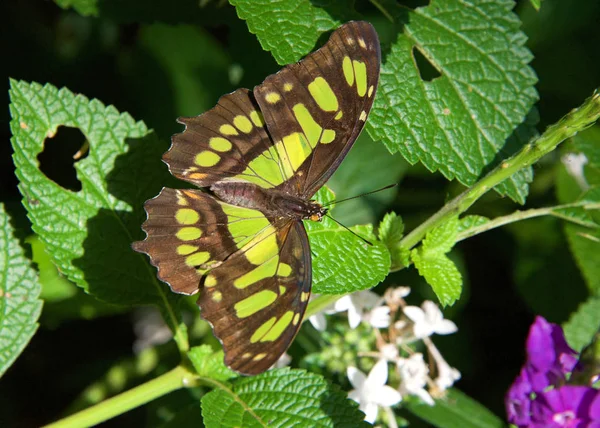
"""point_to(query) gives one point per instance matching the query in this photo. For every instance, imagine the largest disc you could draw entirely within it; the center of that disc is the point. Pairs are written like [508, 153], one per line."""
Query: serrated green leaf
[441, 273]
[583, 237]
[432, 263]
[209, 363]
[88, 233]
[281, 398]
[583, 324]
[441, 239]
[83, 7]
[291, 28]
[469, 221]
[63, 301]
[19, 291]
[459, 122]
[343, 262]
[391, 230]
[456, 410]
[537, 4]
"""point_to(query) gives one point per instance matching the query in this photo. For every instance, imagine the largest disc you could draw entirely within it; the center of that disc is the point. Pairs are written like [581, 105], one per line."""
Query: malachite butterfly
[260, 156]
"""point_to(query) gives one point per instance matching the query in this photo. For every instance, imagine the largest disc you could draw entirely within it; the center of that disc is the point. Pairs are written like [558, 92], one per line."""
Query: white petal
[356, 377]
[433, 314]
[354, 317]
[318, 321]
[378, 374]
[371, 410]
[366, 299]
[422, 329]
[387, 396]
[424, 395]
[415, 313]
[389, 352]
[343, 304]
[354, 395]
[379, 317]
[445, 327]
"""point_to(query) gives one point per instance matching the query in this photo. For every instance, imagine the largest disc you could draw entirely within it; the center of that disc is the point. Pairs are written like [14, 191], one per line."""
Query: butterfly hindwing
[256, 307]
[253, 273]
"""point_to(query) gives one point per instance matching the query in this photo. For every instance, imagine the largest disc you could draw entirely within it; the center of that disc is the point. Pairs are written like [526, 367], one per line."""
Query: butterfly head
[316, 211]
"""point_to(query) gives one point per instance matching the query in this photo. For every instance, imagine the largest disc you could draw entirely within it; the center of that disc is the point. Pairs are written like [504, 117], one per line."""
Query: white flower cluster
[405, 325]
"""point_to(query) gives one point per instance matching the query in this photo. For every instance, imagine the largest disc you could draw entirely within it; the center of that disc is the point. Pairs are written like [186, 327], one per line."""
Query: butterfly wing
[255, 310]
[253, 272]
[319, 106]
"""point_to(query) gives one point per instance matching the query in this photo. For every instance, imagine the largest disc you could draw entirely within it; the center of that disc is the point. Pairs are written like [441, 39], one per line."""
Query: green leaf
[469, 221]
[88, 234]
[281, 398]
[209, 363]
[537, 4]
[583, 324]
[457, 123]
[391, 230]
[369, 166]
[343, 262]
[292, 28]
[432, 263]
[19, 291]
[456, 410]
[83, 7]
[584, 237]
[63, 300]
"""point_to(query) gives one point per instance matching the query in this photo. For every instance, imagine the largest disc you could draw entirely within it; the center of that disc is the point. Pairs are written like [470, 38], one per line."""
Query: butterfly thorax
[272, 202]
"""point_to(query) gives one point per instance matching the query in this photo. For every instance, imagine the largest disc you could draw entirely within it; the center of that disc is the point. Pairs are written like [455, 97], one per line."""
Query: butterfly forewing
[228, 142]
[319, 106]
[250, 258]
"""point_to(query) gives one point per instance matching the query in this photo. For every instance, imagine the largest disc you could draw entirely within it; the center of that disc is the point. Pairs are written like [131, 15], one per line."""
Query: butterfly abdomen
[274, 203]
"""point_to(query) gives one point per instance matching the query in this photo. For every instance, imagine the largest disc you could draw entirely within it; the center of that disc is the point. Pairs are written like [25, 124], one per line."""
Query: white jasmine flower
[371, 392]
[574, 163]
[446, 375]
[428, 320]
[414, 374]
[357, 304]
[389, 352]
[379, 317]
[397, 295]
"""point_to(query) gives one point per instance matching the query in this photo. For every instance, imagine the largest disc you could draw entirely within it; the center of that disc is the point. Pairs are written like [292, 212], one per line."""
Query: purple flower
[549, 360]
[518, 400]
[549, 357]
[567, 406]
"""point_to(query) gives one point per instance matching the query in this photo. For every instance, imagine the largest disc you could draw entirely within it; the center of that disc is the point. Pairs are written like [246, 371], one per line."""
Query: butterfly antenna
[350, 230]
[389, 186]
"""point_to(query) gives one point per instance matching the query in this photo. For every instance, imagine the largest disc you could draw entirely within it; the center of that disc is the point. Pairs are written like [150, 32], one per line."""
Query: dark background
[123, 58]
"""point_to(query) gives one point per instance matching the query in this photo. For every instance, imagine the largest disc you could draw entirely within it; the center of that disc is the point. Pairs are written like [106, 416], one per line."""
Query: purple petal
[518, 399]
[567, 406]
[549, 357]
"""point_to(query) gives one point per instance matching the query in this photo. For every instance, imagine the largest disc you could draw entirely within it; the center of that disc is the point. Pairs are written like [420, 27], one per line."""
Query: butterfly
[260, 156]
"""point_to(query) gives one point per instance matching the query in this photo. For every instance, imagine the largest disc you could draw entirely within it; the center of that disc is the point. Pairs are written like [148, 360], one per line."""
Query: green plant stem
[177, 378]
[523, 215]
[320, 303]
[575, 121]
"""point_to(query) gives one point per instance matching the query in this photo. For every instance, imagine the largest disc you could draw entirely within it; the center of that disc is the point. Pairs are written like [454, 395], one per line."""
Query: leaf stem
[575, 121]
[320, 303]
[177, 378]
[524, 215]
